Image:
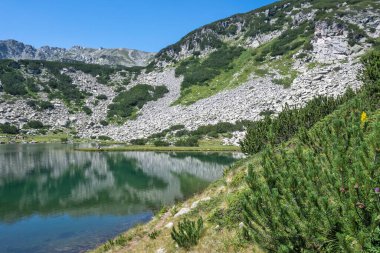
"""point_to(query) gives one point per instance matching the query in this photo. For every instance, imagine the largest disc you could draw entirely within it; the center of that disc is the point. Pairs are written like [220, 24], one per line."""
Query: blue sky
[140, 24]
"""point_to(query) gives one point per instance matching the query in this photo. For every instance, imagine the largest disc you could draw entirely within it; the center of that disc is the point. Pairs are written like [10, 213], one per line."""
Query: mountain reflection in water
[47, 180]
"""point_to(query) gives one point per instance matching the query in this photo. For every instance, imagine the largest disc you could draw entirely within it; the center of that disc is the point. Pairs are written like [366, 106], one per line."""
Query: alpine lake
[56, 199]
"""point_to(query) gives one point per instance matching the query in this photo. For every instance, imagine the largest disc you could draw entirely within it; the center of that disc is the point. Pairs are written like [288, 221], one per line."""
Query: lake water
[55, 199]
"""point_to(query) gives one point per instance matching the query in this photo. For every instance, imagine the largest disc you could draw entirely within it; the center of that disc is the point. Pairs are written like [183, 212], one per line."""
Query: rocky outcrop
[330, 43]
[12, 49]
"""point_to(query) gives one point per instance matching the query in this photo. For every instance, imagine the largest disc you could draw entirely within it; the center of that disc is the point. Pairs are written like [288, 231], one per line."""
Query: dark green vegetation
[154, 234]
[34, 124]
[87, 110]
[8, 128]
[161, 143]
[198, 72]
[104, 122]
[101, 72]
[288, 41]
[59, 85]
[322, 195]
[40, 105]
[188, 233]
[101, 97]
[104, 138]
[127, 103]
[13, 75]
[274, 130]
[138, 141]
[13, 83]
[181, 137]
[166, 131]
[191, 141]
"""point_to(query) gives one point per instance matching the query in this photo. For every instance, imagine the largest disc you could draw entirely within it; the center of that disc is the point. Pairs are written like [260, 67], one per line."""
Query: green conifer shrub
[35, 124]
[198, 72]
[281, 128]
[101, 97]
[87, 110]
[322, 197]
[191, 141]
[188, 233]
[161, 143]
[323, 194]
[138, 141]
[104, 138]
[127, 102]
[7, 128]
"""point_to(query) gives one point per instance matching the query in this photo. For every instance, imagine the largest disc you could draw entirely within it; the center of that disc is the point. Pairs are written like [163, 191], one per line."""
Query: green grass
[48, 138]
[204, 145]
[242, 68]
[162, 149]
[284, 68]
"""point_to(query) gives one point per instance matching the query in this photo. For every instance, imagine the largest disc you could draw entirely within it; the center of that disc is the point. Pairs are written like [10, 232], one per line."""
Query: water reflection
[60, 200]
[49, 179]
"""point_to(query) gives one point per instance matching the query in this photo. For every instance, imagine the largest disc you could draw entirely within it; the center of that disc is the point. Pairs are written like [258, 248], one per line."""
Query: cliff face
[11, 49]
[230, 70]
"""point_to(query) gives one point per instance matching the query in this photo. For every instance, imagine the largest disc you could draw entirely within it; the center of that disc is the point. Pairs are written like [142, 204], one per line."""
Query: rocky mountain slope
[231, 70]
[12, 49]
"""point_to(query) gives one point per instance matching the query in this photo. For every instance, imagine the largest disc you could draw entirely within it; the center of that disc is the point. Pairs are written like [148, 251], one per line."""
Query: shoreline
[163, 149]
[114, 146]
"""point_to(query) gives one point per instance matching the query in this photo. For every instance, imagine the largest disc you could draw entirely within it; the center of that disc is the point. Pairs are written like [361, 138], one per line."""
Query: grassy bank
[162, 149]
[47, 138]
[21, 138]
[204, 146]
[110, 146]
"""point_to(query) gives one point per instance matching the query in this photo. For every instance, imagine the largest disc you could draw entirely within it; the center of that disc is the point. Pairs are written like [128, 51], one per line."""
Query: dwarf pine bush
[323, 195]
[289, 122]
[188, 233]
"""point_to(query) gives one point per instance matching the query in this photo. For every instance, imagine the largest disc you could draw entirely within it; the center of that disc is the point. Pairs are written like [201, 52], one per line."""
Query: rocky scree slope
[284, 53]
[12, 49]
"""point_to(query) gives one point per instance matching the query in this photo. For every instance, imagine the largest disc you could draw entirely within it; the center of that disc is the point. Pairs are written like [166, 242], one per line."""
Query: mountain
[355, 20]
[12, 49]
[213, 82]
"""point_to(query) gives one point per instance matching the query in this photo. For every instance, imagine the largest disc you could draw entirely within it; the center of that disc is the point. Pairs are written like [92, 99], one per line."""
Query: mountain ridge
[250, 29]
[13, 49]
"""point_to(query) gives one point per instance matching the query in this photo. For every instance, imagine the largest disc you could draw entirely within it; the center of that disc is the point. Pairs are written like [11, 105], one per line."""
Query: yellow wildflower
[363, 119]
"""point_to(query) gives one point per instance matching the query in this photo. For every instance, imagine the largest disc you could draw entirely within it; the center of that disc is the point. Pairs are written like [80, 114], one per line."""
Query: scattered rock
[161, 250]
[169, 225]
[195, 204]
[183, 211]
